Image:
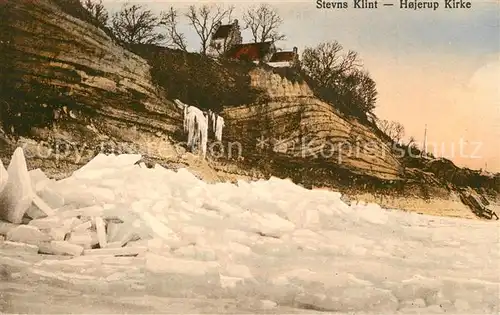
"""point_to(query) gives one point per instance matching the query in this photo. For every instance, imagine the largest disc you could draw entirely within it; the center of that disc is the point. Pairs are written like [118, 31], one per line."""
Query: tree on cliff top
[359, 89]
[97, 10]
[327, 64]
[339, 78]
[263, 22]
[176, 39]
[134, 24]
[393, 129]
[205, 19]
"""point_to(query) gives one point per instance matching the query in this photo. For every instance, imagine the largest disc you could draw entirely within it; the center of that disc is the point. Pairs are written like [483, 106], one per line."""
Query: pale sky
[440, 68]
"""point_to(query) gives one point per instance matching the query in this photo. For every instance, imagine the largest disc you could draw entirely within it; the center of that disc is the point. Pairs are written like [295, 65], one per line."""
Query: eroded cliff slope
[294, 122]
[54, 62]
[69, 91]
[60, 64]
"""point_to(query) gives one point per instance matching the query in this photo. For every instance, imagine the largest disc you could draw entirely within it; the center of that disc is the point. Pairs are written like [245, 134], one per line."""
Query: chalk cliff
[60, 63]
[55, 62]
[296, 123]
[68, 91]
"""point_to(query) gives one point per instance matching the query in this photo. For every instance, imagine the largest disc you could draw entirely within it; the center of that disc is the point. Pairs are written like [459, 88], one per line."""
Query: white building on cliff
[224, 37]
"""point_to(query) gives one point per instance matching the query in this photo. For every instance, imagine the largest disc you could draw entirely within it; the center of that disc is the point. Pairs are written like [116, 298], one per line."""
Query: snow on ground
[273, 244]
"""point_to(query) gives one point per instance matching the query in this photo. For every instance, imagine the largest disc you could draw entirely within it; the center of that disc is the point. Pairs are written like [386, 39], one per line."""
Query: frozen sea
[254, 247]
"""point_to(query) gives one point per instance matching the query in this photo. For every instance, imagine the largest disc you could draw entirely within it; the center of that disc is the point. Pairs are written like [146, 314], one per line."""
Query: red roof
[251, 51]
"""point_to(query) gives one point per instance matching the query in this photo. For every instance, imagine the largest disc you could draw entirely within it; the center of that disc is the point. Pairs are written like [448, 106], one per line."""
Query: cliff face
[295, 123]
[55, 63]
[278, 86]
[72, 73]
[71, 92]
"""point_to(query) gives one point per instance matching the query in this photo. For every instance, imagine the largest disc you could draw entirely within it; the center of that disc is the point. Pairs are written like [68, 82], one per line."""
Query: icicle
[185, 119]
[190, 125]
[184, 108]
[203, 133]
[197, 129]
[196, 125]
[219, 125]
[213, 118]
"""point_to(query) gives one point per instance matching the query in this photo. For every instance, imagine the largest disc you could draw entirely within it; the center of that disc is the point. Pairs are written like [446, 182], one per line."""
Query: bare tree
[356, 90]
[327, 65]
[97, 10]
[170, 21]
[205, 19]
[382, 124]
[134, 24]
[398, 132]
[263, 22]
[366, 93]
[393, 129]
[340, 78]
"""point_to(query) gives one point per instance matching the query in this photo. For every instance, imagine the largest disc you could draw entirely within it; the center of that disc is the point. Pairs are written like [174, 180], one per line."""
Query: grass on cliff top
[199, 80]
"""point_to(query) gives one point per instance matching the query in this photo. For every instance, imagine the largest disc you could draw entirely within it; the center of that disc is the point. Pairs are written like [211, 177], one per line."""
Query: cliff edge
[70, 91]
